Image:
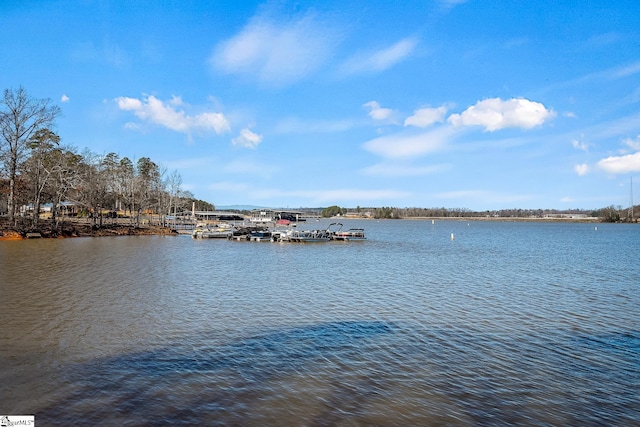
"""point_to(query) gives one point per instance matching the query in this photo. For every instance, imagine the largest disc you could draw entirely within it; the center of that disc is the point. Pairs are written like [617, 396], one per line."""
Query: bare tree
[65, 167]
[173, 185]
[40, 165]
[21, 116]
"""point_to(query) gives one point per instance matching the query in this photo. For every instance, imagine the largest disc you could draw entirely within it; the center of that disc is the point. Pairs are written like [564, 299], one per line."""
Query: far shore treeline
[607, 214]
[36, 168]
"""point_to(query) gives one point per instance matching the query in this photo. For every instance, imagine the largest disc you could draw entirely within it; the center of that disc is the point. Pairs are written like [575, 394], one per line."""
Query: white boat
[345, 235]
[208, 231]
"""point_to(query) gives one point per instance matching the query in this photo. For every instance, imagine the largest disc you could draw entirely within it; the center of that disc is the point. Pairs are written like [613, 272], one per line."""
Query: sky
[476, 104]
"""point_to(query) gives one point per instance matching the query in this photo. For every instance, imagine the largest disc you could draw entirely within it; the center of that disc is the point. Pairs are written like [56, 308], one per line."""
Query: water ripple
[508, 324]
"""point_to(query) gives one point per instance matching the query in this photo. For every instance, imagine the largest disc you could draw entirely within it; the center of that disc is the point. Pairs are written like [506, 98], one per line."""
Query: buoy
[596, 228]
[452, 236]
[433, 221]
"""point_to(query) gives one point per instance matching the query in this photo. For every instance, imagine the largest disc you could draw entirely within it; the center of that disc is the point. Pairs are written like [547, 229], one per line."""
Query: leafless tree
[21, 116]
[40, 166]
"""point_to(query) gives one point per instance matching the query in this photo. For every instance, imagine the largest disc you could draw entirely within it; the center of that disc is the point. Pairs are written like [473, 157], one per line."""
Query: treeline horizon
[605, 214]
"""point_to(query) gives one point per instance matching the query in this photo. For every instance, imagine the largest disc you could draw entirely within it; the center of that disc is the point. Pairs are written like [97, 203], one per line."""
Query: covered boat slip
[270, 216]
[278, 233]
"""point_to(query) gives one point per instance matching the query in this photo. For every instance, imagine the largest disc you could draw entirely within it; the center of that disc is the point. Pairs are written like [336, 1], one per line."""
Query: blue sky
[460, 104]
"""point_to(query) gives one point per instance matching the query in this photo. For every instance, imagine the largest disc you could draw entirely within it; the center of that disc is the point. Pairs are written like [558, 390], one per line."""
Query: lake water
[507, 324]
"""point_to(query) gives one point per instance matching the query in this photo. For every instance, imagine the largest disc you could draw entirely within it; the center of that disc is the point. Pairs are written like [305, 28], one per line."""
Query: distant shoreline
[509, 219]
[473, 218]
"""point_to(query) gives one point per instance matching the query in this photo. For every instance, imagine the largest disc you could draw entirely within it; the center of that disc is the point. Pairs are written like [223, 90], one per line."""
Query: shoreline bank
[72, 230]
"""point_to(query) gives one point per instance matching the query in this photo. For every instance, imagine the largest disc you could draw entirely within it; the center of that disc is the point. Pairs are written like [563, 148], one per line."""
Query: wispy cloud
[612, 73]
[634, 144]
[494, 114]
[580, 145]
[250, 167]
[277, 53]
[625, 71]
[425, 117]
[407, 145]
[485, 196]
[323, 197]
[296, 125]
[581, 169]
[380, 60]
[320, 197]
[603, 40]
[247, 139]
[166, 114]
[107, 53]
[449, 4]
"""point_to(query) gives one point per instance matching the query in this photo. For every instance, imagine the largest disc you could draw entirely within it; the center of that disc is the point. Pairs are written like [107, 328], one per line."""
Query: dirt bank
[9, 231]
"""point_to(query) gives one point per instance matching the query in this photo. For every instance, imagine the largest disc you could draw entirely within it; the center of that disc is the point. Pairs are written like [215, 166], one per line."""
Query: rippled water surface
[507, 324]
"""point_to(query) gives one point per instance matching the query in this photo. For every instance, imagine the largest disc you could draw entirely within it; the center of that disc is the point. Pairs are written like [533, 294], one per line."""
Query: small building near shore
[64, 209]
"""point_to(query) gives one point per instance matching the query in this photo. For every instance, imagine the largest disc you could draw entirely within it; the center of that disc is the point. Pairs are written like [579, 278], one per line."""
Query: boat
[241, 234]
[337, 233]
[261, 235]
[208, 231]
[309, 236]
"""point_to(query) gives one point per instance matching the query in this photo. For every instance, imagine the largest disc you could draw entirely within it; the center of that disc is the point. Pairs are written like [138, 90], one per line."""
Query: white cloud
[425, 117]
[495, 113]
[153, 110]
[409, 145]
[277, 53]
[621, 164]
[376, 112]
[64, 98]
[379, 60]
[247, 139]
[582, 169]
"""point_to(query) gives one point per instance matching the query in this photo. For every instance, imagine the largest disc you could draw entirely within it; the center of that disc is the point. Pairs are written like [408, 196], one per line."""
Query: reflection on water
[510, 324]
[361, 372]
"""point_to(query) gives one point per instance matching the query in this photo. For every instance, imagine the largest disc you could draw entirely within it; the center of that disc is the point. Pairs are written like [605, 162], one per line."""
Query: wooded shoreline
[46, 229]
